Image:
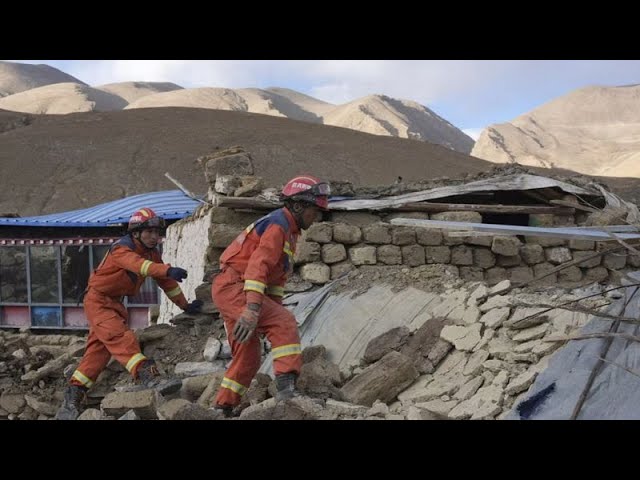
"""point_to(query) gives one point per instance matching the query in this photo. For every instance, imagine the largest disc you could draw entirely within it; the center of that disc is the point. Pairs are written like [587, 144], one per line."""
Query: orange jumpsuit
[254, 269]
[121, 272]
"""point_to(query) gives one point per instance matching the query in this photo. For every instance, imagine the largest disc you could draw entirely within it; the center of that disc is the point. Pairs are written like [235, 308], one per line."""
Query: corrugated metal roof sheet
[170, 204]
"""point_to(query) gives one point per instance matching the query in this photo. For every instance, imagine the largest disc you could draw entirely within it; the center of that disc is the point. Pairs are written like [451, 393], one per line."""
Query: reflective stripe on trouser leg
[280, 327]
[94, 360]
[79, 378]
[244, 366]
[108, 328]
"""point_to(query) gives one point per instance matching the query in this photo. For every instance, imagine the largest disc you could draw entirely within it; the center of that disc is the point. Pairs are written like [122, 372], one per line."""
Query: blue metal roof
[170, 204]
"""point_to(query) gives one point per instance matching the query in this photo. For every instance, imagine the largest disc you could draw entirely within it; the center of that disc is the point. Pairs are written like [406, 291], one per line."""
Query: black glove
[177, 273]
[194, 307]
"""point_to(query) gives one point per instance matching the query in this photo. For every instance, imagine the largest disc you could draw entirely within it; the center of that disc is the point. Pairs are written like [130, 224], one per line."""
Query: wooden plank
[245, 202]
[558, 232]
[487, 208]
[577, 206]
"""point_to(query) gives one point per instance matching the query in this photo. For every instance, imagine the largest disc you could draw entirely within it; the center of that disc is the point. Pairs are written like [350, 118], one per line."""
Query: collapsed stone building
[443, 299]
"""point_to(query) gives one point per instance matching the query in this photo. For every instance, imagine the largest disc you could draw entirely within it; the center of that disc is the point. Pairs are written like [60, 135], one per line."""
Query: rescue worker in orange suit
[122, 271]
[248, 292]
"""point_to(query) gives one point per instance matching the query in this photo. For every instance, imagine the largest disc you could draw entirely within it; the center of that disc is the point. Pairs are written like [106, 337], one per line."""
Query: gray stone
[520, 274]
[511, 261]
[413, 255]
[438, 254]
[168, 410]
[389, 341]
[144, 403]
[463, 338]
[483, 258]
[558, 255]
[363, 255]
[220, 236]
[506, 246]
[532, 333]
[390, 254]
[480, 240]
[521, 382]
[383, 380]
[403, 236]
[474, 364]
[543, 269]
[461, 255]
[428, 236]
[348, 234]
[377, 234]
[91, 414]
[545, 241]
[495, 275]
[333, 253]
[320, 232]
[495, 317]
[470, 217]
[597, 274]
[469, 389]
[211, 349]
[307, 252]
[532, 253]
[193, 369]
[338, 269]
[570, 274]
[614, 261]
[359, 219]
[594, 262]
[582, 244]
[317, 273]
[472, 274]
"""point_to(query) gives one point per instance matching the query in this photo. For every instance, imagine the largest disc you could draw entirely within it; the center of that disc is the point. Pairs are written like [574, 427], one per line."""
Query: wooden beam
[470, 207]
[259, 204]
[577, 206]
[245, 202]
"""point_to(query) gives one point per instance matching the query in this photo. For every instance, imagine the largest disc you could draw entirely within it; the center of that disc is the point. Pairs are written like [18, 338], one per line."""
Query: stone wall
[351, 239]
[186, 246]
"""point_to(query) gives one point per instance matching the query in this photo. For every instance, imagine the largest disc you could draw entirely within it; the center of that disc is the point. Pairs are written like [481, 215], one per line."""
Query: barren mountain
[61, 98]
[18, 77]
[252, 100]
[132, 91]
[382, 115]
[310, 104]
[594, 130]
[56, 163]
[375, 114]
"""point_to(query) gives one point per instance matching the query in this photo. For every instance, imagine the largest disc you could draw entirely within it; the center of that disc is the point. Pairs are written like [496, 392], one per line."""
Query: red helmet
[308, 189]
[145, 218]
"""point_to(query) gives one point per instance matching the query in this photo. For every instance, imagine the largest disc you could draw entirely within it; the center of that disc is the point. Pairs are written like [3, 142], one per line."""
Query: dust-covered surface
[431, 278]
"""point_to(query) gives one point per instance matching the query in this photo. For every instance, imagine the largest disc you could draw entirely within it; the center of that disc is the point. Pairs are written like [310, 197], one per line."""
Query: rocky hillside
[57, 163]
[592, 130]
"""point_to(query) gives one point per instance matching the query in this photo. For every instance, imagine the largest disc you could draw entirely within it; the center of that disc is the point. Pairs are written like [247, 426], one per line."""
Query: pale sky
[471, 94]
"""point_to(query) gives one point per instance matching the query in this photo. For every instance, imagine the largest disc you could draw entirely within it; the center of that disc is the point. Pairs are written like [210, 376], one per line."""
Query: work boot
[286, 386]
[225, 410]
[148, 377]
[74, 398]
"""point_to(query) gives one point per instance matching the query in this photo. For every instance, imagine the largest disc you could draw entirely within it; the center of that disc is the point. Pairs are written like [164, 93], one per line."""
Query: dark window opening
[519, 219]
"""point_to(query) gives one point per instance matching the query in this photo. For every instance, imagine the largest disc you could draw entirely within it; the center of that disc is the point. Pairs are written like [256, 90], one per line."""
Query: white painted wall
[185, 246]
